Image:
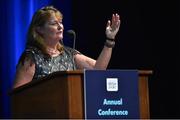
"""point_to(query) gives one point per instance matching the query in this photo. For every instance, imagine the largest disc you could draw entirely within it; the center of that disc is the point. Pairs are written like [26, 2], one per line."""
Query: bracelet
[110, 39]
[109, 44]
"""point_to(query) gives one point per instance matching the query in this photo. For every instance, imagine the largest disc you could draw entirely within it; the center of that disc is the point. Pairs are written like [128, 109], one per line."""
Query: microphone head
[71, 34]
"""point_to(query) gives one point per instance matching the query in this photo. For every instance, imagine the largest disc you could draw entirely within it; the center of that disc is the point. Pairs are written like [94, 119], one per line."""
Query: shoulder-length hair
[39, 19]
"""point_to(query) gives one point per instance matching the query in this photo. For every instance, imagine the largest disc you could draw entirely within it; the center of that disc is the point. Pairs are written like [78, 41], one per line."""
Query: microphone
[72, 34]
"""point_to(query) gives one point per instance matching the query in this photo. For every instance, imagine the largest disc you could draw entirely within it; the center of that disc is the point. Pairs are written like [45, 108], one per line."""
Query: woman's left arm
[84, 62]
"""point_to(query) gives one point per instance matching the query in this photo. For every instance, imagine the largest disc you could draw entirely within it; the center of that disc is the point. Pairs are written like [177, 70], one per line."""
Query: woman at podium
[45, 53]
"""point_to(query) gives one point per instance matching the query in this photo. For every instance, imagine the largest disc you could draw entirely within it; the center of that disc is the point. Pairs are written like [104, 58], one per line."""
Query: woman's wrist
[110, 39]
[110, 43]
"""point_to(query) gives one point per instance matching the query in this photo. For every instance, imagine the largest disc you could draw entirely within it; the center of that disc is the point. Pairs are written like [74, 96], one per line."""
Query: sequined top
[44, 65]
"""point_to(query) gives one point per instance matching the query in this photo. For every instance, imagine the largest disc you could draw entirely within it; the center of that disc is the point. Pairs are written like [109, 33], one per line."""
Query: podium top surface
[143, 72]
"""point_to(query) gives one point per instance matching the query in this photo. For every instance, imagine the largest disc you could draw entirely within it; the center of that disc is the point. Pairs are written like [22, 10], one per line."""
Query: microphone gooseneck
[72, 34]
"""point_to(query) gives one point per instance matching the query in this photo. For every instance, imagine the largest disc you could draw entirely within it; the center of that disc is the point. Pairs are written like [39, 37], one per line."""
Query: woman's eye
[55, 23]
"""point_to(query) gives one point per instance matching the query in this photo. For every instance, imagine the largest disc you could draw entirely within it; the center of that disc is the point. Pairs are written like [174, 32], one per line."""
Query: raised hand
[113, 26]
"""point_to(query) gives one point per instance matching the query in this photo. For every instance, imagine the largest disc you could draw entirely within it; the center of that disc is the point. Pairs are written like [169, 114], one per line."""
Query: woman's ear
[39, 30]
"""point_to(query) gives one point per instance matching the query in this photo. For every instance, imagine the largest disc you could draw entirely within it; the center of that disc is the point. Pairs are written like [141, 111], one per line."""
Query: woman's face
[52, 31]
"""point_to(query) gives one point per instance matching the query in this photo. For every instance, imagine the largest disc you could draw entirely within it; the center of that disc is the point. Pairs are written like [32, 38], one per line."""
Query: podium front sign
[111, 94]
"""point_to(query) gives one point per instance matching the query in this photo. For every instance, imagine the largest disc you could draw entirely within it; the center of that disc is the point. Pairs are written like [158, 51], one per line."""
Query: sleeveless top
[45, 65]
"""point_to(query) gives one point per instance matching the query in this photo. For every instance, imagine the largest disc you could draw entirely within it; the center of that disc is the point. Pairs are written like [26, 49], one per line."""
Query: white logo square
[112, 84]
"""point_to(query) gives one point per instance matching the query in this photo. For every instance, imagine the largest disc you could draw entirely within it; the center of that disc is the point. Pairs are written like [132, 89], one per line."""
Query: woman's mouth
[59, 32]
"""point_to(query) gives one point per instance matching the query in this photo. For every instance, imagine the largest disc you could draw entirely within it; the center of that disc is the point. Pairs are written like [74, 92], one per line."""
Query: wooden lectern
[61, 95]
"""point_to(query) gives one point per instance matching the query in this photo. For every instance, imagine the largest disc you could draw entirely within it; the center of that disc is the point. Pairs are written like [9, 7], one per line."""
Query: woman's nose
[59, 27]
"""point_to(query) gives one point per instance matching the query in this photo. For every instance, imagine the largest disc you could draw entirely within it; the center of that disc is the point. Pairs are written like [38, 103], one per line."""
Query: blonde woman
[44, 53]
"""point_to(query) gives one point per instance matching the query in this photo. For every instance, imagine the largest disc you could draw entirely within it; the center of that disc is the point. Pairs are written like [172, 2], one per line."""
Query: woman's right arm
[25, 72]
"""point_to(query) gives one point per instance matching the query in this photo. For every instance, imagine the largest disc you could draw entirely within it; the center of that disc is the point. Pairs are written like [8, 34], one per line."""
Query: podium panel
[61, 95]
[111, 94]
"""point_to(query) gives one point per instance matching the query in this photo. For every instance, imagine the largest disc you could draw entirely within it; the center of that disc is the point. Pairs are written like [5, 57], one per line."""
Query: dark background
[148, 39]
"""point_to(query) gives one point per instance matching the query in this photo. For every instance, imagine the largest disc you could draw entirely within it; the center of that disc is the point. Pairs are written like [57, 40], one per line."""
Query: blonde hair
[38, 20]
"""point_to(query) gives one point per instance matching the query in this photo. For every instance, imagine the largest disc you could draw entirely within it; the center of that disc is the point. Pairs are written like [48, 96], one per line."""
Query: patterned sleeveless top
[45, 65]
